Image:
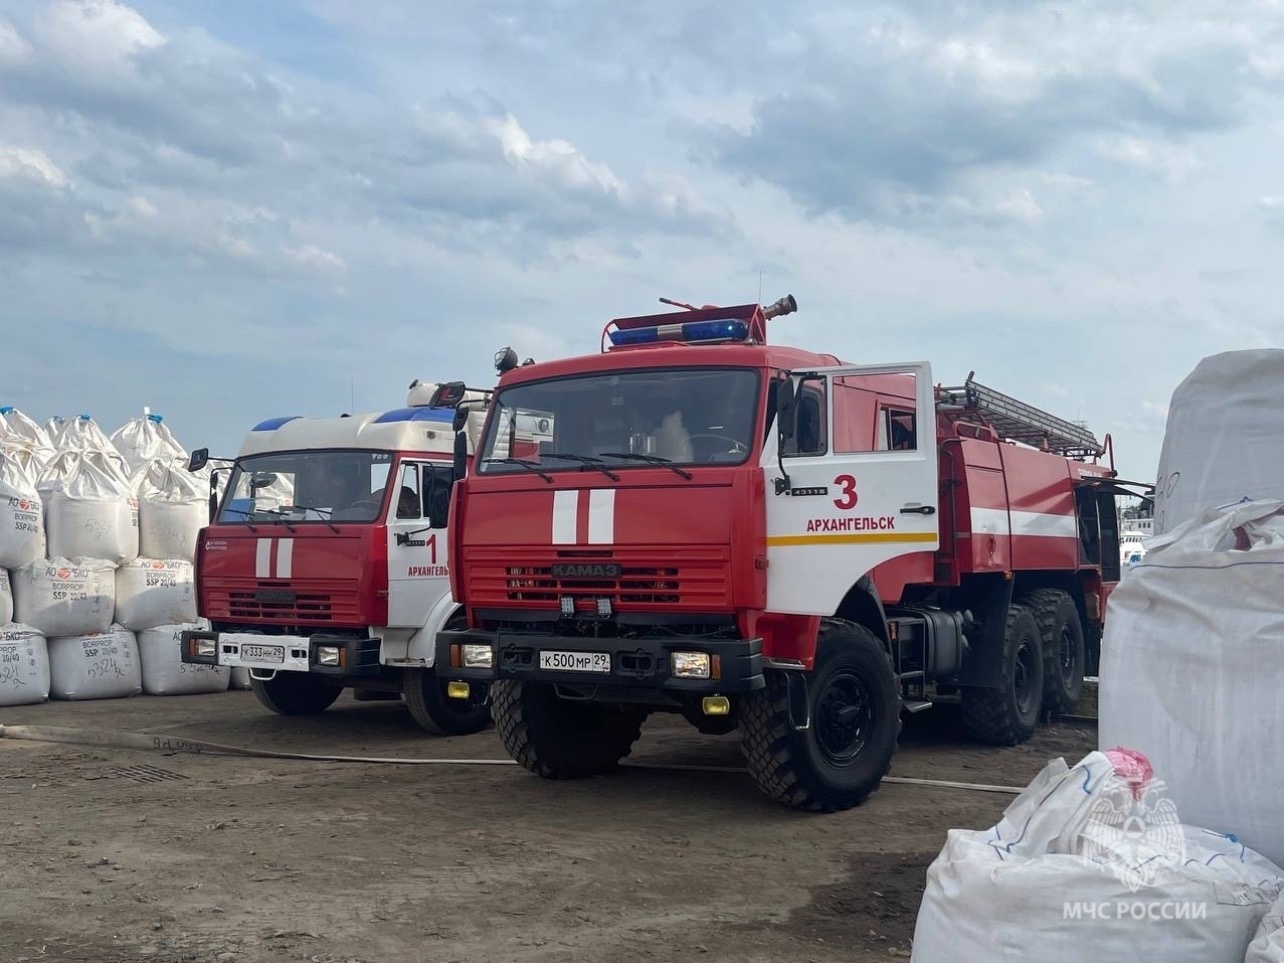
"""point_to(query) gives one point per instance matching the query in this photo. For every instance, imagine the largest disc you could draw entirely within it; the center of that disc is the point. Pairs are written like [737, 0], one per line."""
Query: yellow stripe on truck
[860, 539]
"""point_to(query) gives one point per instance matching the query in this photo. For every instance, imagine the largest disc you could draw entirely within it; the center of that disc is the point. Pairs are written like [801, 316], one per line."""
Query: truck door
[860, 459]
[417, 572]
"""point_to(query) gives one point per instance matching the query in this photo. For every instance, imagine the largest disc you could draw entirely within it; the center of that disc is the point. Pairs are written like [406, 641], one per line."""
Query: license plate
[263, 653]
[576, 661]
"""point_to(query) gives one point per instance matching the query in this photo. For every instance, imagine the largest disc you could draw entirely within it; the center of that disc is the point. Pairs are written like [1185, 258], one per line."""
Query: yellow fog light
[457, 690]
[715, 705]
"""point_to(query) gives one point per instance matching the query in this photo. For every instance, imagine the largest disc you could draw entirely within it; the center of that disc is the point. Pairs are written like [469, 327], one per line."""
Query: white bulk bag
[1077, 856]
[22, 514]
[24, 666]
[1224, 440]
[102, 665]
[1268, 941]
[90, 510]
[146, 439]
[151, 592]
[65, 596]
[1192, 667]
[165, 672]
[240, 678]
[18, 427]
[173, 507]
[6, 599]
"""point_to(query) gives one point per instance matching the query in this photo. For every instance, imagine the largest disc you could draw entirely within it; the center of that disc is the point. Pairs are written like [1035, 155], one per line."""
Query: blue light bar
[416, 414]
[272, 424]
[690, 332]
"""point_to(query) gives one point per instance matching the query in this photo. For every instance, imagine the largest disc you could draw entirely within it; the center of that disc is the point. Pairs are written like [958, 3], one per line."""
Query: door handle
[919, 510]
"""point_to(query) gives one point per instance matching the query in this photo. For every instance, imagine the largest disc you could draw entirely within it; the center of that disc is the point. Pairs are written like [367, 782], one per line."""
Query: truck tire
[434, 711]
[296, 693]
[855, 720]
[560, 738]
[1064, 654]
[1009, 714]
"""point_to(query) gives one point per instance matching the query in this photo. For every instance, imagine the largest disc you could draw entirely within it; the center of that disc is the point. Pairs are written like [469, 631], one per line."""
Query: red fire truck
[325, 565]
[770, 539]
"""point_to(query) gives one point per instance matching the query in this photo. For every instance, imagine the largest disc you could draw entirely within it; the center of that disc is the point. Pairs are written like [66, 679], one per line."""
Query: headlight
[328, 654]
[478, 656]
[206, 648]
[690, 665]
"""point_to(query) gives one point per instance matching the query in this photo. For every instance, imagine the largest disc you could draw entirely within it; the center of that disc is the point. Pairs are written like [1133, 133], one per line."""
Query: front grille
[281, 602]
[685, 577]
[657, 586]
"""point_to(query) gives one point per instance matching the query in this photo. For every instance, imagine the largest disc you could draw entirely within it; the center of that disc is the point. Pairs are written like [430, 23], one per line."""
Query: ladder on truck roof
[1017, 421]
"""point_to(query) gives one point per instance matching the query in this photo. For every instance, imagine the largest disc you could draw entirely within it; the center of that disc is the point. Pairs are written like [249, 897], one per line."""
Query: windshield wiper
[323, 512]
[278, 514]
[586, 460]
[528, 465]
[650, 460]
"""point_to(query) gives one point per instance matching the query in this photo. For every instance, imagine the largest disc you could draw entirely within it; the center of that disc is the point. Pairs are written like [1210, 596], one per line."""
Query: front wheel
[842, 756]
[562, 738]
[296, 693]
[433, 710]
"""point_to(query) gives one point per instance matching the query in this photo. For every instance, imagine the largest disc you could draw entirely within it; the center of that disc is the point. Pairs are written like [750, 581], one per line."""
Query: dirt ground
[219, 859]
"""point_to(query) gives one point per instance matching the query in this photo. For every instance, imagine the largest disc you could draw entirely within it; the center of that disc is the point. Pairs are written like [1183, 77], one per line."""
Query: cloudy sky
[235, 210]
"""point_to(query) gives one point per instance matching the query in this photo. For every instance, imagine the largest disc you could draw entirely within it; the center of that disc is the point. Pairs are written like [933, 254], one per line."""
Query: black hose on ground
[170, 744]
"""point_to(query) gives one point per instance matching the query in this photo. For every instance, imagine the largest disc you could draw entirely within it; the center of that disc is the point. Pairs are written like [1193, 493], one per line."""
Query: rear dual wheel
[1009, 714]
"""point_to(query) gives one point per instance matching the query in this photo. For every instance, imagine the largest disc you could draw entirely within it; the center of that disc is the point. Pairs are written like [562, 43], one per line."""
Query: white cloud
[97, 33]
[31, 164]
[309, 255]
[1172, 161]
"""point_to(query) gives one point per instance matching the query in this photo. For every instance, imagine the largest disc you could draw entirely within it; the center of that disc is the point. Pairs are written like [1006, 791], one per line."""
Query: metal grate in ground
[145, 774]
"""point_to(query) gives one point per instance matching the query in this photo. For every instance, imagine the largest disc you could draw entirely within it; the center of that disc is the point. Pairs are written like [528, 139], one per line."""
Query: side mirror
[786, 404]
[460, 419]
[263, 480]
[438, 506]
[200, 458]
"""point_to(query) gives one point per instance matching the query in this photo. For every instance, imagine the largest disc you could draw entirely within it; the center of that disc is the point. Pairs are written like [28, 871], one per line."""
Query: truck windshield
[307, 486]
[680, 416]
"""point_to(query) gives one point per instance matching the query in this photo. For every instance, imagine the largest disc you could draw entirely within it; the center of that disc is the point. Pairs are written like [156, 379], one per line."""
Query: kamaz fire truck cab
[325, 565]
[767, 538]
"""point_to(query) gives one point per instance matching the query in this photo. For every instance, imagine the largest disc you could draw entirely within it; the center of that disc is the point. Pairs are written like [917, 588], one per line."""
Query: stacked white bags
[24, 666]
[1091, 864]
[98, 536]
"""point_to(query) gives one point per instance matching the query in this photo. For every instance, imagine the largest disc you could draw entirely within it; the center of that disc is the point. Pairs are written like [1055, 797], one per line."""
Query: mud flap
[799, 702]
[988, 596]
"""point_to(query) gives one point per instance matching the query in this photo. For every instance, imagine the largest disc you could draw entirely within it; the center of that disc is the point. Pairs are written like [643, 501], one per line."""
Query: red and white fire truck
[771, 539]
[326, 564]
